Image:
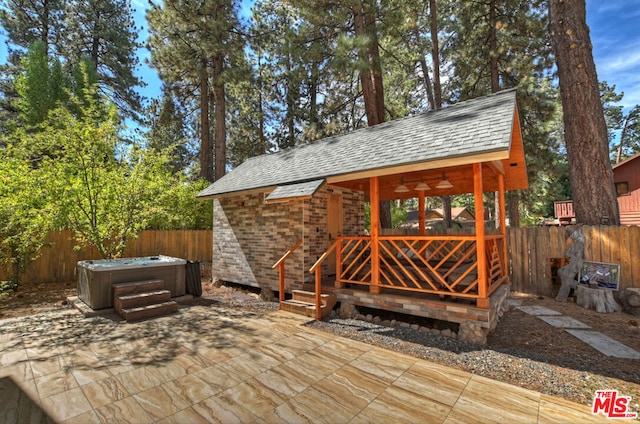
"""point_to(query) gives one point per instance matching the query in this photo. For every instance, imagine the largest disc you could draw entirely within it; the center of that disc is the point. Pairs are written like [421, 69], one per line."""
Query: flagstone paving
[602, 343]
[212, 364]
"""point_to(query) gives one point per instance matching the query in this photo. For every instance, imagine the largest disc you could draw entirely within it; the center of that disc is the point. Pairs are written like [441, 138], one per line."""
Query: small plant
[6, 287]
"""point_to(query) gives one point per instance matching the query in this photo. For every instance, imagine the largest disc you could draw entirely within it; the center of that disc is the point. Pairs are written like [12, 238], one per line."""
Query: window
[622, 189]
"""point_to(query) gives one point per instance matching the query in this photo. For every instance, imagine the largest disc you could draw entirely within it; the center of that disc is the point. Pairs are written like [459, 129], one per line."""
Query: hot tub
[95, 278]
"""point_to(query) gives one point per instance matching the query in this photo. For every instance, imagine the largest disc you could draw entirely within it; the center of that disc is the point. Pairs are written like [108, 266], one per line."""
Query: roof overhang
[304, 190]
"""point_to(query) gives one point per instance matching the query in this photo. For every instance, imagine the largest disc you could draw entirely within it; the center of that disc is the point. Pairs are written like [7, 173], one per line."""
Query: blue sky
[615, 36]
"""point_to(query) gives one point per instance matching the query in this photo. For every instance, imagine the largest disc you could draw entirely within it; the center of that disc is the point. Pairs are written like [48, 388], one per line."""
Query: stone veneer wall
[249, 236]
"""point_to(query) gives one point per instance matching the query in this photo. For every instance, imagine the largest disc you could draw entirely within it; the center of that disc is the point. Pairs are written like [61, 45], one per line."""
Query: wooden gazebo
[471, 147]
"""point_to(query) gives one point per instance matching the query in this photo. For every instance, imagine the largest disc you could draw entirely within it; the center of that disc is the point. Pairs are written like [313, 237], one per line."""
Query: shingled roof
[464, 130]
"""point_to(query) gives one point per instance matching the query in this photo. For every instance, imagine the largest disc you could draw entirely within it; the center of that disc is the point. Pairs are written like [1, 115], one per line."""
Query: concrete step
[136, 300]
[123, 289]
[149, 311]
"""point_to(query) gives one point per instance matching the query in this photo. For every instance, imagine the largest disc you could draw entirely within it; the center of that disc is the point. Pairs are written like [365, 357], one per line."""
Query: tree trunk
[427, 83]
[446, 211]
[493, 46]
[371, 79]
[594, 195]
[435, 54]
[371, 76]
[513, 202]
[220, 118]
[206, 165]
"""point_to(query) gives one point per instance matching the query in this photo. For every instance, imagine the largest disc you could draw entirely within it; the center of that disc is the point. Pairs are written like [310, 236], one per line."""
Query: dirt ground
[522, 334]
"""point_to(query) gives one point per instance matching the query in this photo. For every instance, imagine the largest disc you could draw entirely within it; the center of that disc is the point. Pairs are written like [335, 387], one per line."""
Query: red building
[626, 176]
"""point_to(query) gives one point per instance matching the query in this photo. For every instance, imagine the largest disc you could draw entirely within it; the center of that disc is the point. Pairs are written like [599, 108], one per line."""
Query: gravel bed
[530, 373]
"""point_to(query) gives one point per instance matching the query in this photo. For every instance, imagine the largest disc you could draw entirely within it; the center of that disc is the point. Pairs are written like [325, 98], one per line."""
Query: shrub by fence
[57, 262]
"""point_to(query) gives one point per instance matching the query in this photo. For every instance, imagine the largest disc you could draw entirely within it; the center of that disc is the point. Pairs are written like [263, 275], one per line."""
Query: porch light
[422, 186]
[402, 188]
[444, 183]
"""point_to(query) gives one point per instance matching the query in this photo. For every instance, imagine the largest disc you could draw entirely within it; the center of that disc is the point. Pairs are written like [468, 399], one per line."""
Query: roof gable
[466, 131]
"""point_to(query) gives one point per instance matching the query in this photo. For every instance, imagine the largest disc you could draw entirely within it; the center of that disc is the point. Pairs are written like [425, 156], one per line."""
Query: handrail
[324, 255]
[286, 255]
[280, 264]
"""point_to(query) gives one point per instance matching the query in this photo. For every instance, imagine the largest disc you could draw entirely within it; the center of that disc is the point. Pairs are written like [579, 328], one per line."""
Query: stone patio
[213, 364]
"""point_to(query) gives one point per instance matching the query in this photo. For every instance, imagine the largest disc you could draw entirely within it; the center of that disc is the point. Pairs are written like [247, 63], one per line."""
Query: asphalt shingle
[463, 129]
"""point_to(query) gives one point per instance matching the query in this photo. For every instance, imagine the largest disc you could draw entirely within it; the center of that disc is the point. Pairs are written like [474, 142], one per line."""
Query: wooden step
[136, 300]
[328, 300]
[311, 287]
[123, 289]
[149, 311]
[300, 308]
[304, 303]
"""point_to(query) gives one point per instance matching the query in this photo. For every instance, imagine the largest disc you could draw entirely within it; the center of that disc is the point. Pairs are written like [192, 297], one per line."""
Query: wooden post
[281, 269]
[319, 293]
[338, 284]
[374, 201]
[503, 224]
[421, 215]
[483, 300]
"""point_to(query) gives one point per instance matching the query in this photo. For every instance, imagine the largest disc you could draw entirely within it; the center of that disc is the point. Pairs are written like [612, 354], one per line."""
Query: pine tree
[585, 129]
[28, 21]
[41, 87]
[194, 45]
[169, 131]
[104, 32]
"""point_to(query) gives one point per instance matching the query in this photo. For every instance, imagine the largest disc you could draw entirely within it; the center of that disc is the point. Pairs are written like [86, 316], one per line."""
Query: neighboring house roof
[470, 129]
[626, 161]
[412, 215]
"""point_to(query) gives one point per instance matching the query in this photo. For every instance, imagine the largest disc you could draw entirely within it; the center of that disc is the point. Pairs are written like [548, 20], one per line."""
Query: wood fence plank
[57, 263]
[544, 262]
[625, 259]
[634, 250]
[510, 257]
[533, 265]
[517, 256]
[605, 243]
[526, 272]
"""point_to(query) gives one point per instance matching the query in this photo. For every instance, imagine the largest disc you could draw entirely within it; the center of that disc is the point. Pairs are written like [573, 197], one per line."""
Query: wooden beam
[422, 166]
[374, 200]
[483, 300]
[497, 166]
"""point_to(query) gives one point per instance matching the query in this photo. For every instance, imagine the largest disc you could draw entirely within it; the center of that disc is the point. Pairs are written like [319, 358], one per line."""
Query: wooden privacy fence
[57, 262]
[532, 249]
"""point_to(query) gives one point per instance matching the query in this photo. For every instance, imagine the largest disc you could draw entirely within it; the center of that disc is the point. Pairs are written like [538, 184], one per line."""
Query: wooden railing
[442, 265]
[280, 266]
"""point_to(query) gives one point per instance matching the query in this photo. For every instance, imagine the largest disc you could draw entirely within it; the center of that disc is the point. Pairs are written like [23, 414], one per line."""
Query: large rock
[630, 300]
[347, 310]
[473, 333]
